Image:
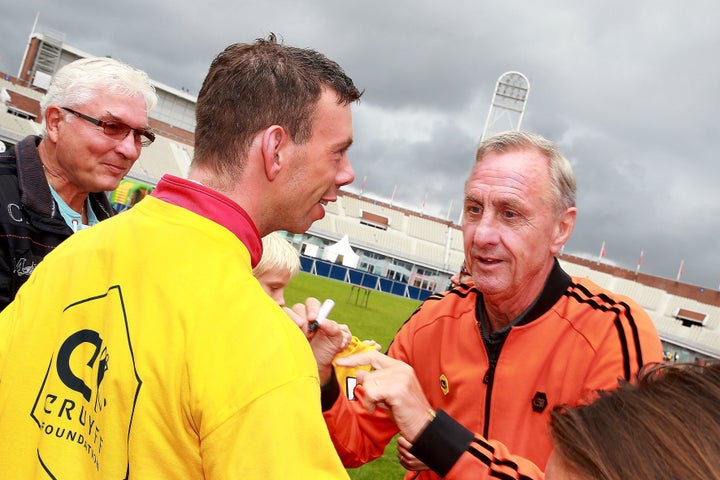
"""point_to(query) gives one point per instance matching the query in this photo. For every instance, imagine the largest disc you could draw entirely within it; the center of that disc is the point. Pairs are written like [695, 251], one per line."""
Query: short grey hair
[80, 81]
[562, 177]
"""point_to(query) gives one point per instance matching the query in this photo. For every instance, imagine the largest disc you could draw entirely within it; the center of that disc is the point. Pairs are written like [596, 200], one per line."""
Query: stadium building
[366, 242]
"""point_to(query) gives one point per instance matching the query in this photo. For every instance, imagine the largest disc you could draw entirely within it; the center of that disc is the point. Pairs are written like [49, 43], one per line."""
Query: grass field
[379, 321]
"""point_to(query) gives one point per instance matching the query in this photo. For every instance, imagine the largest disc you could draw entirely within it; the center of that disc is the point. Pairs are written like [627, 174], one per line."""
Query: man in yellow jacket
[144, 347]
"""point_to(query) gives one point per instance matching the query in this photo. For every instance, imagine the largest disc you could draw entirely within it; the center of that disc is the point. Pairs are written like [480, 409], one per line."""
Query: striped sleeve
[453, 451]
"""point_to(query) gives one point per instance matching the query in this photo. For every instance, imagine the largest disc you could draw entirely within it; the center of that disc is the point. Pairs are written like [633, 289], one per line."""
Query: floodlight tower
[508, 104]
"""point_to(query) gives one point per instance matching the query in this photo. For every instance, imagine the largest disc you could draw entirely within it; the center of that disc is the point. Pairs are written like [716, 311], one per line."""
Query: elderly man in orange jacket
[471, 378]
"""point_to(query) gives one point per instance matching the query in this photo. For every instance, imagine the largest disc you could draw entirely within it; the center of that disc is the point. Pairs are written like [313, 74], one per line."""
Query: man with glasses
[95, 123]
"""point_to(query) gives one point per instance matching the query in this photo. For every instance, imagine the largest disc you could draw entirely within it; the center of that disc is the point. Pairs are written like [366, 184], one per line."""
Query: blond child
[278, 265]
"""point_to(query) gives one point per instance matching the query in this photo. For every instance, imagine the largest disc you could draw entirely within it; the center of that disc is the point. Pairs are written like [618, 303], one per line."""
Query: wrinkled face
[274, 282]
[88, 158]
[510, 229]
[320, 166]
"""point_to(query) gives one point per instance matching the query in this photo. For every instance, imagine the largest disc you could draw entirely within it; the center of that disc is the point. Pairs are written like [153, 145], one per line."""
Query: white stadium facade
[362, 240]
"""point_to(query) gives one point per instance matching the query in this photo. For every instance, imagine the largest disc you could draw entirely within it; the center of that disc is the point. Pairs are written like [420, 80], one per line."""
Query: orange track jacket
[494, 409]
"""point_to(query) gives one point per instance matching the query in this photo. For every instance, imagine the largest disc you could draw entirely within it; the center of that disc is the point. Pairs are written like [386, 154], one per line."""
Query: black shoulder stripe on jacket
[462, 291]
[605, 303]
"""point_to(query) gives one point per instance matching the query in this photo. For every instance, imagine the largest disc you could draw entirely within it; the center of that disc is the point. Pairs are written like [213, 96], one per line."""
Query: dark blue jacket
[30, 221]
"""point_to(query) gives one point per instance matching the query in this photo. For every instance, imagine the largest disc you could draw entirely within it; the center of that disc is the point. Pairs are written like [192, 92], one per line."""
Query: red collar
[214, 206]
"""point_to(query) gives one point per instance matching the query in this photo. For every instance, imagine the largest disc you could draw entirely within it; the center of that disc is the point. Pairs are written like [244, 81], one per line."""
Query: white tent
[342, 252]
[4, 95]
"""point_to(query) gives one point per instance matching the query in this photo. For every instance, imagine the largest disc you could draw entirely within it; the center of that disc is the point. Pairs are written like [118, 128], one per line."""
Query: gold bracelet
[431, 414]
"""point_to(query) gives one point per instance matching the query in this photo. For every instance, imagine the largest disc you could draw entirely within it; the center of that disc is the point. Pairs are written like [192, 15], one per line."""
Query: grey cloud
[628, 90]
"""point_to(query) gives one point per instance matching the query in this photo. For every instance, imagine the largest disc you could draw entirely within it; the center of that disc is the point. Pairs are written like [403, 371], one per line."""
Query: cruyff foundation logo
[100, 366]
[85, 405]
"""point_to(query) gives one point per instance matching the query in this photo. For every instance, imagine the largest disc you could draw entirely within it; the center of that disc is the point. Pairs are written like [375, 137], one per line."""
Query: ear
[273, 139]
[563, 229]
[53, 116]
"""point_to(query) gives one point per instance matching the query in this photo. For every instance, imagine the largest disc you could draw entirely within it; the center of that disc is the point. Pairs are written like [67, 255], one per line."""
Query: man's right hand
[327, 341]
[392, 384]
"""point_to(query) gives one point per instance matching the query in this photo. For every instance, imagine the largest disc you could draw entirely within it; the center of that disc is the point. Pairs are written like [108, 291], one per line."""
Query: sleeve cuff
[442, 443]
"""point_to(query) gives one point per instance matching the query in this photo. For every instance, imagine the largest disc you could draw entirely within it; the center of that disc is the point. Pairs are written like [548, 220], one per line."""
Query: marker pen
[322, 315]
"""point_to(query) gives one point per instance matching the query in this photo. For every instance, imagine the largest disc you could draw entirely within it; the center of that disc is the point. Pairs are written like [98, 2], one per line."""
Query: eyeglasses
[118, 130]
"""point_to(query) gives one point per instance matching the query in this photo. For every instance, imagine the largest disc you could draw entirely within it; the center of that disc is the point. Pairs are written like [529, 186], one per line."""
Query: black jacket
[30, 221]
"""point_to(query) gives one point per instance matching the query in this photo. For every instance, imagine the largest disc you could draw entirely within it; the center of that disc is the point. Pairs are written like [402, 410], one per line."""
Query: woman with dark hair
[666, 426]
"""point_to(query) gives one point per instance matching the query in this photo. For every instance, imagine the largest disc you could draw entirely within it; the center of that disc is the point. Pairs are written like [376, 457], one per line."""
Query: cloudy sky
[628, 89]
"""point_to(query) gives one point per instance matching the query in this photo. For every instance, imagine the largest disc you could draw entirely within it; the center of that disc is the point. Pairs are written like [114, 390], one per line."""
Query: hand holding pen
[325, 309]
